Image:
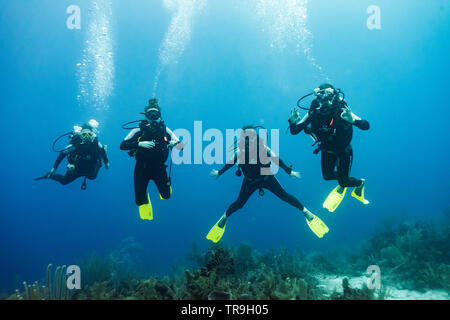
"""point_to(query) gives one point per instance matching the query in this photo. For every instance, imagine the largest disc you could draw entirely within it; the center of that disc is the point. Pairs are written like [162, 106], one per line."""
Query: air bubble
[96, 70]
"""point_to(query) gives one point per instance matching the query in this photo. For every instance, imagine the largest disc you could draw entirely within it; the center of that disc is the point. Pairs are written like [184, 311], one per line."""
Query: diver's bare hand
[295, 175]
[347, 115]
[295, 116]
[214, 173]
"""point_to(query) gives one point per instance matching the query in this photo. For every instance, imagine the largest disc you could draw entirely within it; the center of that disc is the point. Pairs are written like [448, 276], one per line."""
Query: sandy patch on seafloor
[333, 283]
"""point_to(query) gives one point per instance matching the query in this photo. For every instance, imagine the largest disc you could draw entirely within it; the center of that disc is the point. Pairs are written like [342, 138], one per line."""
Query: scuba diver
[330, 123]
[150, 144]
[84, 155]
[250, 157]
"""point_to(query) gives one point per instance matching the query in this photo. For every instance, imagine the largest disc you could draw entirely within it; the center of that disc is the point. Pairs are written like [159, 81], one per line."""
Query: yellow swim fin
[216, 232]
[358, 193]
[334, 199]
[146, 210]
[160, 196]
[317, 226]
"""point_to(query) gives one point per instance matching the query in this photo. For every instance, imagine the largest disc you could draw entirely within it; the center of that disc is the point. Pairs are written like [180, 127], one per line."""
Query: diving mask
[153, 114]
[324, 94]
[87, 135]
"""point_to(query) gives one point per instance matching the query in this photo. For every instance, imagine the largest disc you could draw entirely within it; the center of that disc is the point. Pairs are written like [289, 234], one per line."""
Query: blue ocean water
[227, 64]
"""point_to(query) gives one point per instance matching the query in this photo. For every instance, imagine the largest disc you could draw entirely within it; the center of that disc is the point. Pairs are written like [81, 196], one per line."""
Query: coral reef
[54, 290]
[215, 295]
[412, 256]
[353, 294]
[222, 274]
[122, 265]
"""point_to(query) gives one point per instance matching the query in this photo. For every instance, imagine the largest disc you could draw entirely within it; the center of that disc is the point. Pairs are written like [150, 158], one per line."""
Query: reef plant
[55, 289]
[412, 255]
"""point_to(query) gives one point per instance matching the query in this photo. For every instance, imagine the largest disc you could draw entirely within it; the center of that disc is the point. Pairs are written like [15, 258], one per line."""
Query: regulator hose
[125, 125]
[59, 138]
[300, 100]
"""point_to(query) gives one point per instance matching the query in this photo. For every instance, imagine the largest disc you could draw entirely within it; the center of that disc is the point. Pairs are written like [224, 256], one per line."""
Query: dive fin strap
[361, 197]
[160, 196]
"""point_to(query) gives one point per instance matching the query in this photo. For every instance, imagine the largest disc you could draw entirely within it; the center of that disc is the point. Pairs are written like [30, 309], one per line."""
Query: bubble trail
[285, 22]
[178, 35]
[96, 69]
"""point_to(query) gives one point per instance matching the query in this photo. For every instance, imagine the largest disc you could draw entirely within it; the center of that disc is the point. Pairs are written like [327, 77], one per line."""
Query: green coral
[246, 275]
[296, 289]
[412, 255]
[121, 265]
[350, 293]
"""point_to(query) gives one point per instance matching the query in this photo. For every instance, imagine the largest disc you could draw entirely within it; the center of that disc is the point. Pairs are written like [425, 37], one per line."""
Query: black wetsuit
[86, 157]
[254, 180]
[150, 163]
[335, 136]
